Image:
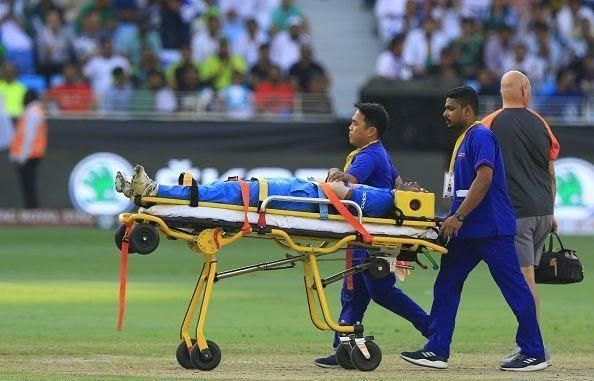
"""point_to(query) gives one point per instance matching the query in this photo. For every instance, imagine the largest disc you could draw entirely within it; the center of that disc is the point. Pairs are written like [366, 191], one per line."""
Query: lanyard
[458, 144]
[352, 155]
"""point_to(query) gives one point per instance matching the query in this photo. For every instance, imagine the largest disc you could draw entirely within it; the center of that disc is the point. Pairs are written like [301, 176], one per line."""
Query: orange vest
[39, 140]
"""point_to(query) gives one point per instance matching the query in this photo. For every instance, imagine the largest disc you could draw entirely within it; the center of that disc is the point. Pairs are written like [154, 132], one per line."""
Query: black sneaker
[523, 363]
[425, 358]
[327, 362]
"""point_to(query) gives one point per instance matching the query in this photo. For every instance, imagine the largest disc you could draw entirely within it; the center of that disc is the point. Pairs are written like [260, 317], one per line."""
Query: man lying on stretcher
[374, 202]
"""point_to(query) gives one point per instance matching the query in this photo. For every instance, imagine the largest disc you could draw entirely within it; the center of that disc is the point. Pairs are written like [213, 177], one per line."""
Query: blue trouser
[500, 255]
[383, 292]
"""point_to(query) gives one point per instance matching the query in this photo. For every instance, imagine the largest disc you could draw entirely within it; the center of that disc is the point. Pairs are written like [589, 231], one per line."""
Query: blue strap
[323, 207]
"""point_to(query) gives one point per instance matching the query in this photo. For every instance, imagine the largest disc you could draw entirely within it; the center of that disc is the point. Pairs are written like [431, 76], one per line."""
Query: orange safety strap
[348, 264]
[123, 276]
[245, 196]
[367, 238]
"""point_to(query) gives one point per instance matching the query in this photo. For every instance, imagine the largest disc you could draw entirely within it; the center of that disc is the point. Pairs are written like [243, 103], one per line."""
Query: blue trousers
[500, 255]
[383, 292]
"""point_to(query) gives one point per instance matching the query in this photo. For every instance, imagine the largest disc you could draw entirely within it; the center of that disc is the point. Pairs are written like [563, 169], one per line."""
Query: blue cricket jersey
[494, 215]
[373, 166]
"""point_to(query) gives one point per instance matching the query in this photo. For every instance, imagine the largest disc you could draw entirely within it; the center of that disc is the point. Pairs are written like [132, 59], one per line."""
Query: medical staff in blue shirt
[370, 164]
[481, 226]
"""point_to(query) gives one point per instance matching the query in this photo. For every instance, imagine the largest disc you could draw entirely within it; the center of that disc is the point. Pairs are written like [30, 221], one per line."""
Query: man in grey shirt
[529, 149]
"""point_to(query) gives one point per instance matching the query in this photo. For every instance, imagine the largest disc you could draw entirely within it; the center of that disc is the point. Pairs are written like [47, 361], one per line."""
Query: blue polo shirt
[373, 166]
[494, 216]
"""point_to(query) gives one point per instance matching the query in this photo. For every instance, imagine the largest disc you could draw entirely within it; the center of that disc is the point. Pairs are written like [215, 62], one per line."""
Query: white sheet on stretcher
[287, 222]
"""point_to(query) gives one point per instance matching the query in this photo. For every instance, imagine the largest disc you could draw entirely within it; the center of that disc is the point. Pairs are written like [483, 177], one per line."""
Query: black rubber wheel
[343, 356]
[363, 364]
[207, 359]
[378, 268]
[183, 355]
[119, 237]
[144, 239]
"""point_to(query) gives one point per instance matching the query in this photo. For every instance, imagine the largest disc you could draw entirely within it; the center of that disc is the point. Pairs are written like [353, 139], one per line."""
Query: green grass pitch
[58, 309]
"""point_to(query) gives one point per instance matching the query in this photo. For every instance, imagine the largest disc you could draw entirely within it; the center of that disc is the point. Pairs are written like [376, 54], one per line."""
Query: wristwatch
[460, 216]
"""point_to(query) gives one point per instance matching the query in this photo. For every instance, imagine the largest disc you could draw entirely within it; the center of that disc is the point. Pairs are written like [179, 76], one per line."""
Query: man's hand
[336, 175]
[449, 228]
[554, 226]
[411, 186]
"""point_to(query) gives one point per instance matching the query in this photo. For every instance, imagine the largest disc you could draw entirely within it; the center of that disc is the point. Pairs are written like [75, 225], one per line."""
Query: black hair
[117, 71]
[465, 96]
[30, 96]
[375, 116]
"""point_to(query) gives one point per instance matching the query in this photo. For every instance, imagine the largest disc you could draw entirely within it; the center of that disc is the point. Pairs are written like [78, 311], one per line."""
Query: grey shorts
[531, 237]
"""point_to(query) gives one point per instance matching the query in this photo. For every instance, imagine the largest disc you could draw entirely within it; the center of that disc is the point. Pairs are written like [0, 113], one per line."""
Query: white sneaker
[123, 185]
[142, 184]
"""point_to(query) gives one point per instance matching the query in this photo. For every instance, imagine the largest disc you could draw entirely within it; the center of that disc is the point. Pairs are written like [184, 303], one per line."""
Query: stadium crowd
[476, 41]
[117, 56]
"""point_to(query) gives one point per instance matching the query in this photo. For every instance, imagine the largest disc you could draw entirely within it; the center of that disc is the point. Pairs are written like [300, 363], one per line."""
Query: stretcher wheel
[183, 355]
[207, 359]
[144, 238]
[378, 268]
[363, 364]
[343, 356]
[119, 238]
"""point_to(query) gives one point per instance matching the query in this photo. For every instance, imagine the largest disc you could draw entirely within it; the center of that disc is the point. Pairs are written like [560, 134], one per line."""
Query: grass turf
[58, 301]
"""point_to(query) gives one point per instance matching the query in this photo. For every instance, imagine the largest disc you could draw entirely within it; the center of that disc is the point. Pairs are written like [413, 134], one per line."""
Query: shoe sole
[529, 368]
[426, 363]
[327, 366]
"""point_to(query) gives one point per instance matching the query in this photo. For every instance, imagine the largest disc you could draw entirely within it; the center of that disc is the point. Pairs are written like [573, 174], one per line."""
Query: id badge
[448, 185]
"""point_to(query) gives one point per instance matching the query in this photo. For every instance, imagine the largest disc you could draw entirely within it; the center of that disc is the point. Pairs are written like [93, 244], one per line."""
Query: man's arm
[337, 175]
[476, 194]
[553, 191]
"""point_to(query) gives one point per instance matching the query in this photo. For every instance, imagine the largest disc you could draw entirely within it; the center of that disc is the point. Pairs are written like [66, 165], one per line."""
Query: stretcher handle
[311, 201]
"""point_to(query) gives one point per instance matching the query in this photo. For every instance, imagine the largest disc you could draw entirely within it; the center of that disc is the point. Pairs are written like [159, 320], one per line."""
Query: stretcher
[393, 243]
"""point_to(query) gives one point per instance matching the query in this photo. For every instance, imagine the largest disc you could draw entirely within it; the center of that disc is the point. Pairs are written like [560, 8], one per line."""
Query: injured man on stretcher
[374, 202]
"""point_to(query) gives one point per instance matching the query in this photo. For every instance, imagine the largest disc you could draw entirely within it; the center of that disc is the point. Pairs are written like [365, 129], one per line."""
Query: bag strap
[551, 236]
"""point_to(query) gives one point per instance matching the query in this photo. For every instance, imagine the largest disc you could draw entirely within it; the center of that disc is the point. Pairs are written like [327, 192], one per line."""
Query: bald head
[515, 90]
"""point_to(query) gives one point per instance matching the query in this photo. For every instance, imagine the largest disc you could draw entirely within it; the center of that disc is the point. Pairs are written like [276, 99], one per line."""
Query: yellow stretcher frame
[210, 241]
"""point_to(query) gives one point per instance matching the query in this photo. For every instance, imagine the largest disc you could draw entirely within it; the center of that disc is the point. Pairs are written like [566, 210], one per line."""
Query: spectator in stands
[175, 32]
[543, 45]
[17, 43]
[582, 40]
[498, 47]
[54, 48]
[237, 99]
[87, 44]
[37, 14]
[448, 68]
[274, 95]
[12, 91]
[390, 16]
[391, 64]
[193, 93]
[316, 101]
[233, 26]
[99, 69]
[163, 98]
[29, 145]
[148, 63]
[73, 95]
[263, 13]
[118, 96]
[585, 76]
[476, 9]
[567, 101]
[218, 68]
[469, 47]
[282, 15]
[500, 13]
[488, 83]
[244, 9]
[524, 62]
[249, 42]
[175, 72]
[305, 69]
[423, 46]
[449, 16]
[539, 13]
[285, 47]
[104, 8]
[126, 36]
[205, 43]
[259, 72]
[568, 17]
